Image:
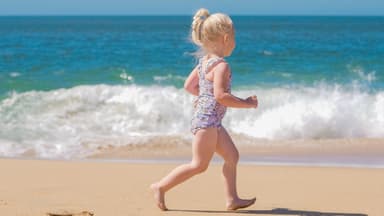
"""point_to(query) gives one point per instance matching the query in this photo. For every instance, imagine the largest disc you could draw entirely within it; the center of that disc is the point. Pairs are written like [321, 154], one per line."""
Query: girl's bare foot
[159, 197]
[240, 203]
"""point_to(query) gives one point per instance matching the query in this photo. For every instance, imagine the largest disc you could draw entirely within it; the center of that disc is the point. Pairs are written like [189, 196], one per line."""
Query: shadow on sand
[276, 211]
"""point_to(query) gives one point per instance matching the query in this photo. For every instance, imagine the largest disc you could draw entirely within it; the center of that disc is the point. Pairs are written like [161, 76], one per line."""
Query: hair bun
[200, 16]
[207, 29]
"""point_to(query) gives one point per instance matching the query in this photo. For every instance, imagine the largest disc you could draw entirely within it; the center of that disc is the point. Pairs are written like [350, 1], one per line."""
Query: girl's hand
[252, 100]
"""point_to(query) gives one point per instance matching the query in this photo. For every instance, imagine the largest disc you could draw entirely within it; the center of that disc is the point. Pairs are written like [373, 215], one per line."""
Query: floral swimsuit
[208, 112]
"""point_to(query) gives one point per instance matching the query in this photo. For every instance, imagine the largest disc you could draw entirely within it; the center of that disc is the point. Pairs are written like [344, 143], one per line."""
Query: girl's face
[229, 42]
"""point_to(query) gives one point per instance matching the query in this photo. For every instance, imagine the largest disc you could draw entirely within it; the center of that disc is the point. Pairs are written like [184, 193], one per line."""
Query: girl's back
[208, 112]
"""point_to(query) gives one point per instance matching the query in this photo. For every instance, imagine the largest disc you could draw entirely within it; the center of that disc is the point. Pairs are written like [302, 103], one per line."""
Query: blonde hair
[207, 28]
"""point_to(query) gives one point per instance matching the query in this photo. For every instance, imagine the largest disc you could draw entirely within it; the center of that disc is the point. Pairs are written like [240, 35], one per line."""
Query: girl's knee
[236, 157]
[199, 167]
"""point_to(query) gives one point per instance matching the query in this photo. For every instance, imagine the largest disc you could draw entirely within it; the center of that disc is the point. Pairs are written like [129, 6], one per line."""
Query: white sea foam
[14, 74]
[169, 77]
[281, 74]
[68, 123]
[125, 76]
[267, 52]
[312, 112]
[362, 74]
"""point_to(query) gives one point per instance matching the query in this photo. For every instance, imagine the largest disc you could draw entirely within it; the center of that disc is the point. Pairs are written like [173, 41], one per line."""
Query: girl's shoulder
[217, 66]
[211, 62]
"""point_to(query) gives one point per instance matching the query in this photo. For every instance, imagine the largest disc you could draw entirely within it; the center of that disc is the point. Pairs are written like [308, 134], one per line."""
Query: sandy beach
[38, 187]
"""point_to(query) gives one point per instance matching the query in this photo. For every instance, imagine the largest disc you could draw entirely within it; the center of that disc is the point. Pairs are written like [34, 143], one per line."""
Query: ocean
[72, 85]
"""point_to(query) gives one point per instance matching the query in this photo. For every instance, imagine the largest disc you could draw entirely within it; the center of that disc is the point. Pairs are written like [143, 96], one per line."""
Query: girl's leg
[203, 148]
[226, 149]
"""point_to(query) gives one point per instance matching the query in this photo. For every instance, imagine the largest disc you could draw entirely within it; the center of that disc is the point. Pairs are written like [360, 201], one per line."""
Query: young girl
[210, 80]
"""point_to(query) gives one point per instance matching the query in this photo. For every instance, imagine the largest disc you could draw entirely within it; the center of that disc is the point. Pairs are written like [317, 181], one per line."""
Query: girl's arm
[191, 84]
[221, 78]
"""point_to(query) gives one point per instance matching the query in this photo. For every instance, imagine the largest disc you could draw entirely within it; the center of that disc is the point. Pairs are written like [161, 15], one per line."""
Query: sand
[38, 187]
[364, 151]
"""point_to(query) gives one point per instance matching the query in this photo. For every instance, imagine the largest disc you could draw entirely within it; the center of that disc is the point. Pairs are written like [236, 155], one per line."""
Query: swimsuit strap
[213, 61]
[209, 63]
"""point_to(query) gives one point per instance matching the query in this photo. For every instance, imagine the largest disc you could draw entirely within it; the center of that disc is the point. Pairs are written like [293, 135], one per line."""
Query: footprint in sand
[67, 213]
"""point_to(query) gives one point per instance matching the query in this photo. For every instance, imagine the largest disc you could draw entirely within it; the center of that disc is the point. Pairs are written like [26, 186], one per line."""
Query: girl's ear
[226, 38]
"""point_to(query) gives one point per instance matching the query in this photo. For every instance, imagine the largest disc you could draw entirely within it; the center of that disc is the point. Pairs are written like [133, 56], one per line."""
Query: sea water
[70, 85]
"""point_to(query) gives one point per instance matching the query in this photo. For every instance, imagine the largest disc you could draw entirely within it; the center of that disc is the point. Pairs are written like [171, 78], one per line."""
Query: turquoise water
[73, 84]
[45, 53]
